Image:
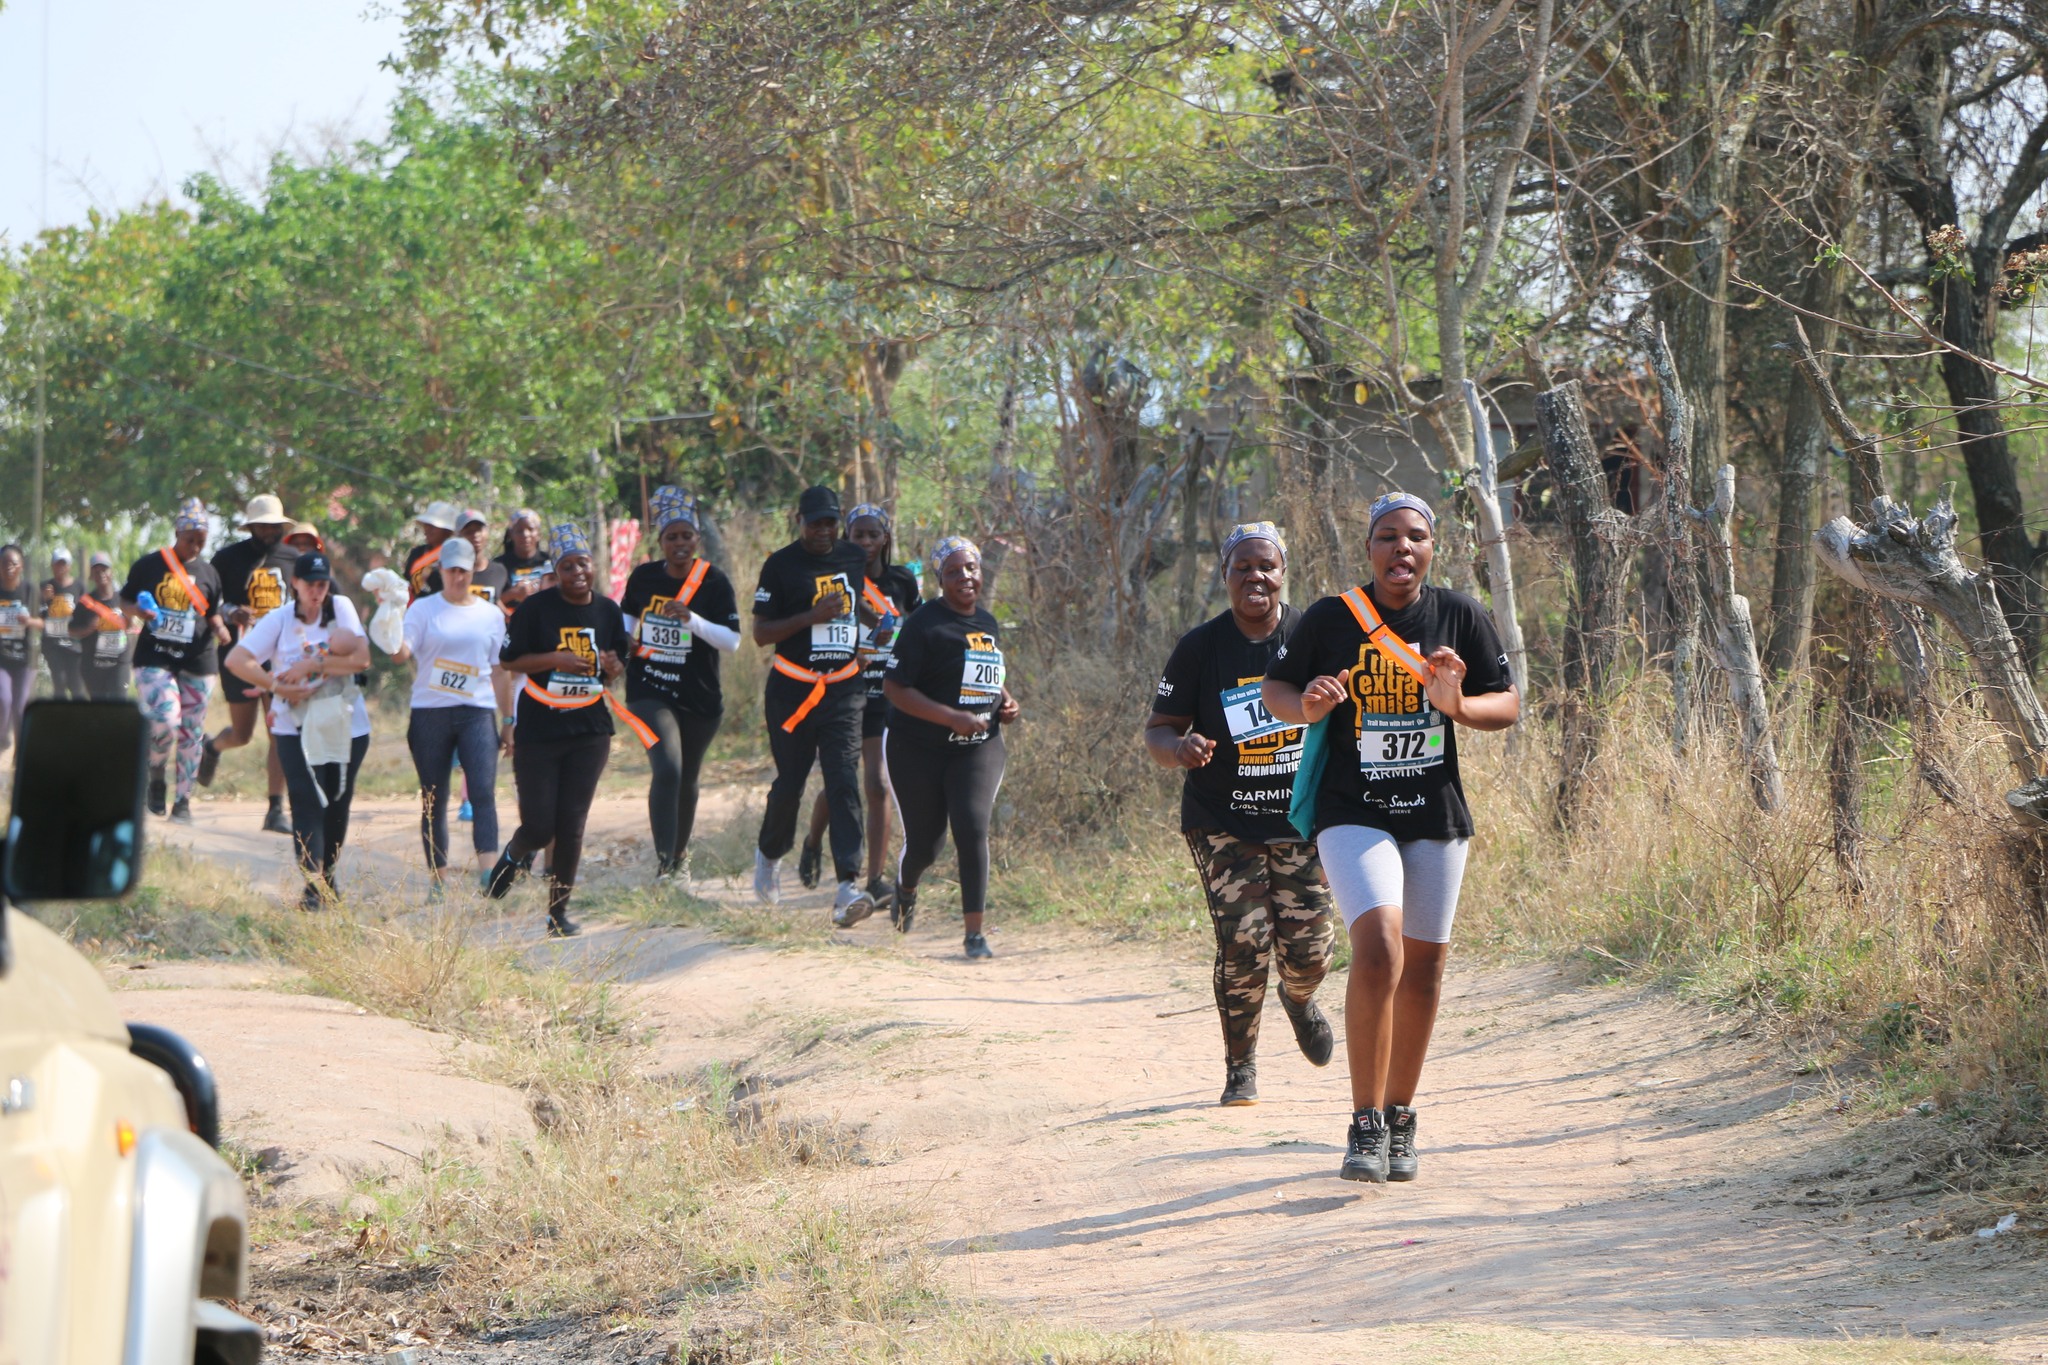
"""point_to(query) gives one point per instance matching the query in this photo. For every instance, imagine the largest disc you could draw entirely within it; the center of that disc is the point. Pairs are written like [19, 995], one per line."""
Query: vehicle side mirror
[75, 830]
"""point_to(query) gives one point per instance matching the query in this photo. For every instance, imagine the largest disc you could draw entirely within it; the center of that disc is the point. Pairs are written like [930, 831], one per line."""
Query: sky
[144, 93]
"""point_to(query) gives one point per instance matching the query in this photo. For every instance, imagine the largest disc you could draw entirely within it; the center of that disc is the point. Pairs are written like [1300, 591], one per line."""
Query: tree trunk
[1599, 540]
[1493, 539]
[1735, 644]
[1792, 570]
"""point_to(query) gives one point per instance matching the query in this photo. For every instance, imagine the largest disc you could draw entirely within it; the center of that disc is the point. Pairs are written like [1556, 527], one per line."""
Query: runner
[944, 744]
[255, 580]
[102, 633]
[568, 641]
[1393, 668]
[453, 640]
[61, 653]
[807, 607]
[306, 656]
[176, 595]
[528, 568]
[891, 593]
[17, 645]
[675, 607]
[436, 522]
[304, 537]
[1263, 881]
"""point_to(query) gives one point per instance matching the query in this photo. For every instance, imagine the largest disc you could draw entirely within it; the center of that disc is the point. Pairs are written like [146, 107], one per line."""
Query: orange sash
[1383, 639]
[199, 602]
[818, 681]
[648, 739]
[878, 603]
[103, 611]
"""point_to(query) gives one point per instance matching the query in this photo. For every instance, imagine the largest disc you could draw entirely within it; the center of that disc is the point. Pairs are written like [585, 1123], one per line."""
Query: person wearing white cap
[102, 632]
[175, 593]
[255, 580]
[60, 651]
[436, 522]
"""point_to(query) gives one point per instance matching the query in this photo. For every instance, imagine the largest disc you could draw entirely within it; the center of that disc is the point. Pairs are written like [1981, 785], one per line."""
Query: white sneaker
[767, 879]
[851, 905]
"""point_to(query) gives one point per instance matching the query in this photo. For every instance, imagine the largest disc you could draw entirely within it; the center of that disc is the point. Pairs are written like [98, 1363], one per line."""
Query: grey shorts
[1367, 869]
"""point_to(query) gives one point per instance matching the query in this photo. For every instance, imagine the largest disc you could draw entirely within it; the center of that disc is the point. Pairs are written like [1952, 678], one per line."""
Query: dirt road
[1608, 1167]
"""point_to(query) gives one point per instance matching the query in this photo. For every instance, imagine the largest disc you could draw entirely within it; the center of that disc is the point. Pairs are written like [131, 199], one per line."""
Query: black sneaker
[312, 898]
[1365, 1148]
[808, 865]
[1400, 1142]
[903, 909]
[1311, 1030]
[274, 819]
[882, 892]
[209, 761]
[157, 791]
[499, 883]
[977, 947]
[1240, 1085]
[561, 926]
[182, 811]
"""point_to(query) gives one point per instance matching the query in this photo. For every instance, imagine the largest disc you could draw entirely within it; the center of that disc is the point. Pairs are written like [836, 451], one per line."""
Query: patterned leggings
[1259, 893]
[176, 706]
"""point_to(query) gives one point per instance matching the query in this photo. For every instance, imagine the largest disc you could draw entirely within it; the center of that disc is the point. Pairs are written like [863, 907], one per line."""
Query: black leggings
[319, 827]
[677, 761]
[935, 787]
[557, 781]
[829, 737]
[67, 673]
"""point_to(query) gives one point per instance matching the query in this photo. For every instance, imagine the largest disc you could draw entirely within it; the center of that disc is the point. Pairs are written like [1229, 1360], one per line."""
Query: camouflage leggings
[1259, 893]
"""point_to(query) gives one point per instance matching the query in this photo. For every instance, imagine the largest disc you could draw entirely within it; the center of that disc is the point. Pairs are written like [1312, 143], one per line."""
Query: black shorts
[234, 690]
[875, 719]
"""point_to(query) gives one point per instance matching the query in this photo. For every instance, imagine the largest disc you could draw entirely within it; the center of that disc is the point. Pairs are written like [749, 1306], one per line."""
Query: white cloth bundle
[387, 627]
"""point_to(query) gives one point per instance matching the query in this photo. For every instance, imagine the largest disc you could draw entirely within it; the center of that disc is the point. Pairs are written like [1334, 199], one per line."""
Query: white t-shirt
[454, 648]
[281, 639]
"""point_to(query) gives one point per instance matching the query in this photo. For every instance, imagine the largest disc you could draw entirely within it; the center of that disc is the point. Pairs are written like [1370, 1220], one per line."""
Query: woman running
[306, 657]
[891, 592]
[528, 568]
[1263, 880]
[177, 597]
[944, 743]
[18, 623]
[682, 613]
[60, 652]
[453, 640]
[569, 643]
[102, 632]
[1395, 668]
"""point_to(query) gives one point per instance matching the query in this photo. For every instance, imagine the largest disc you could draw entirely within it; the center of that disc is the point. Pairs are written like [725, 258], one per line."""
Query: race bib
[13, 621]
[664, 638]
[175, 627]
[1244, 710]
[109, 644]
[574, 686]
[981, 679]
[1400, 746]
[835, 637]
[452, 679]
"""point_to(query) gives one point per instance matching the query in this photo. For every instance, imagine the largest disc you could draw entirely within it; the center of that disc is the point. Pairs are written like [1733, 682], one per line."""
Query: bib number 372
[1390, 746]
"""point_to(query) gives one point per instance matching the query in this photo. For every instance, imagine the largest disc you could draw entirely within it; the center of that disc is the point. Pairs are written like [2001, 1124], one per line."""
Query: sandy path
[1595, 1162]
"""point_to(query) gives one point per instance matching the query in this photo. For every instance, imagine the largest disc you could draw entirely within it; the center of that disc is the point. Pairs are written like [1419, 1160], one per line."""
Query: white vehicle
[120, 1226]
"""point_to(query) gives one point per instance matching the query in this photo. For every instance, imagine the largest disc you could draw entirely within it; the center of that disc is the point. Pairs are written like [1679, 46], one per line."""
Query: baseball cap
[439, 515]
[101, 560]
[471, 516]
[312, 567]
[60, 555]
[265, 509]
[457, 553]
[817, 503]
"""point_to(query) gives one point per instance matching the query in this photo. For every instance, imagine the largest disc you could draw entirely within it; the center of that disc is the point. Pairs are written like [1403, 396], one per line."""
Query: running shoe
[182, 811]
[903, 909]
[977, 946]
[498, 881]
[561, 926]
[767, 879]
[274, 819]
[1365, 1148]
[1240, 1085]
[883, 892]
[311, 898]
[1400, 1142]
[209, 762]
[1311, 1029]
[157, 791]
[436, 891]
[468, 812]
[810, 865]
[851, 905]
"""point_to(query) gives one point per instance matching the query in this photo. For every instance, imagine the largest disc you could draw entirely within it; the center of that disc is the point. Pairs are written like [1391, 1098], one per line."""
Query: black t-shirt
[1213, 677]
[668, 663]
[545, 623]
[256, 576]
[487, 581]
[955, 660]
[422, 563]
[898, 585]
[181, 637]
[1392, 761]
[520, 573]
[14, 613]
[58, 604]
[106, 649]
[794, 580]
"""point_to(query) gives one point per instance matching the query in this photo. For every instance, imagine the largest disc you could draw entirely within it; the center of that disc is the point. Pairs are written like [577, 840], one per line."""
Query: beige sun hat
[305, 528]
[439, 515]
[265, 509]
